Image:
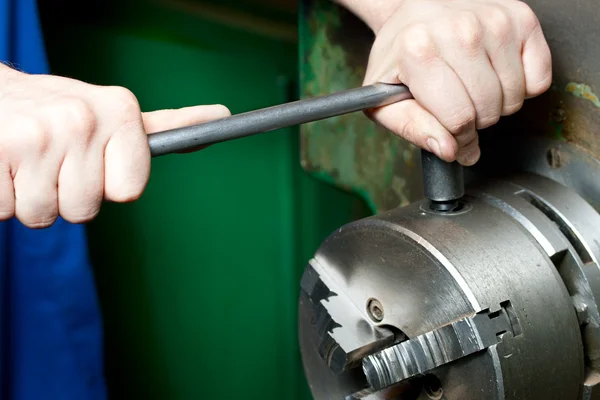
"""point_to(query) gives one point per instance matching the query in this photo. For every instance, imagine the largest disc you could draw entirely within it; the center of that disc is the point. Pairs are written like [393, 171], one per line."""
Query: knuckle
[80, 216]
[127, 194]
[499, 25]
[470, 153]
[539, 78]
[36, 204]
[34, 134]
[80, 112]
[529, 23]
[540, 85]
[75, 117]
[38, 220]
[7, 211]
[418, 44]
[6, 214]
[527, 16]
[84, 209]
[487, 121]
[124, 99]
[405, 129]
[546, 82]
[40, 224]
[467, 141]
[462, 120]
[512, 108]
[469, 31]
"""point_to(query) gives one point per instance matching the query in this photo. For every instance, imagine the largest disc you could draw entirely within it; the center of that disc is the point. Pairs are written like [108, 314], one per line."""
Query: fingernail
[472, 157]
[434, 146]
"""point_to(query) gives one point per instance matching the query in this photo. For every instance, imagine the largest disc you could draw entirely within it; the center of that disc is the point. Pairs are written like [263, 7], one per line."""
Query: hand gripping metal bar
[443, 181]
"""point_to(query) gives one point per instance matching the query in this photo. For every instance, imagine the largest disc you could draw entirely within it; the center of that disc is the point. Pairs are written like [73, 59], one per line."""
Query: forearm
[373, 12]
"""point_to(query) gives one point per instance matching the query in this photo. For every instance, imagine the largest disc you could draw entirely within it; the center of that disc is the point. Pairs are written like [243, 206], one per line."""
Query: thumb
[161, 120]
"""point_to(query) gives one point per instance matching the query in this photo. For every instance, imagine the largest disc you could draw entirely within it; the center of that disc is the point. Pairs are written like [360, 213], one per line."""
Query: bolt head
[375, 310]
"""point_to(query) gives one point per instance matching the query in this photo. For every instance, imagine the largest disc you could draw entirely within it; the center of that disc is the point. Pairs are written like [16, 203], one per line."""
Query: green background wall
[198, 280]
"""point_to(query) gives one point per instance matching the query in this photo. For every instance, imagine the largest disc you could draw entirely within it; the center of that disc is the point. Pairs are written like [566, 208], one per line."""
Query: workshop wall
[198, 280]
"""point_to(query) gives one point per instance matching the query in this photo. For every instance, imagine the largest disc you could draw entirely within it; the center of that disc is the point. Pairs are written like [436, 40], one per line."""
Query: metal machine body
[497, 299]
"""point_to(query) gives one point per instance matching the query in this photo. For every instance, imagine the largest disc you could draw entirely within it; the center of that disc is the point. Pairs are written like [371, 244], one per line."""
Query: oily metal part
[345, 348]
[567, 228]
[443, 182]
[428, 271]
[569, 238]
[434, 349]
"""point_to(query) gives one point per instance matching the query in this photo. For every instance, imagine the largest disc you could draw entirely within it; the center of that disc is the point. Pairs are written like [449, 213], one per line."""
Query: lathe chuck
[495, 300]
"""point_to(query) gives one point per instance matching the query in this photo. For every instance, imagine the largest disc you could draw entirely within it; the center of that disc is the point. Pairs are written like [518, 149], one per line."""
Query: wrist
[374, 13]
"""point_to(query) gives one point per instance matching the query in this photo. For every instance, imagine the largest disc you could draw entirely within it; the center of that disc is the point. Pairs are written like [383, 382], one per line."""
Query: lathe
[494, 298]
[481, 284]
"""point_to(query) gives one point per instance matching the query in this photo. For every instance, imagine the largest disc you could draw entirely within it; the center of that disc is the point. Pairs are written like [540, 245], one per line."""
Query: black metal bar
[443, 181]
[276, 117]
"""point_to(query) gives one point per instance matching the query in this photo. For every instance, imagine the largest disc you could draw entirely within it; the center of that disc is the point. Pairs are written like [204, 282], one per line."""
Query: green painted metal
[350, 151]
[198, 280]
[583, 91]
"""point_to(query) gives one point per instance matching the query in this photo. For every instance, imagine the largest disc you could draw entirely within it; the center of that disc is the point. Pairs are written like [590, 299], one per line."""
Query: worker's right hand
[65, 146]
[466, 62]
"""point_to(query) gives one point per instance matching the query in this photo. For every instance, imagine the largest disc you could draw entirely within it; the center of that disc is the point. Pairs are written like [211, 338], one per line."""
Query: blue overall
[50, 326]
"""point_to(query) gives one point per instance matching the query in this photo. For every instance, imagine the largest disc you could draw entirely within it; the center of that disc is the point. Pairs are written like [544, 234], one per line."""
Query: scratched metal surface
[353, 153]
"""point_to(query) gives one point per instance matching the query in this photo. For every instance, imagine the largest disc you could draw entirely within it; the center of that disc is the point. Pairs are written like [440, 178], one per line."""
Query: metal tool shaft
[443, 182]
[276, 117]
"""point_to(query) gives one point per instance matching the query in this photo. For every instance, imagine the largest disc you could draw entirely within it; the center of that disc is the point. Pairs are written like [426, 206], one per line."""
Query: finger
[537, 59]
[462, 46]
[36, 198]
[438, 89]
[156, 121]
[126, 163]
[412, 122]
[80, 185]
[126, 153]
[505, 56]
[470, 151]
[7, 193]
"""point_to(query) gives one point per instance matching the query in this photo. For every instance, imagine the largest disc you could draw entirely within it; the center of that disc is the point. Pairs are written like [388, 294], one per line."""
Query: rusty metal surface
[353, 153]
[571, 107]
[350, 151]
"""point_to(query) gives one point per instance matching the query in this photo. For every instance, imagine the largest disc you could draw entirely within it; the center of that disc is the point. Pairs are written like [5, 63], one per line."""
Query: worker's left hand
[466, 62]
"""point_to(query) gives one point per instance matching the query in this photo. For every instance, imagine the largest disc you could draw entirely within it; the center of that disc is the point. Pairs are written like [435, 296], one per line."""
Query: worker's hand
[466, 62]
[66, 145]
